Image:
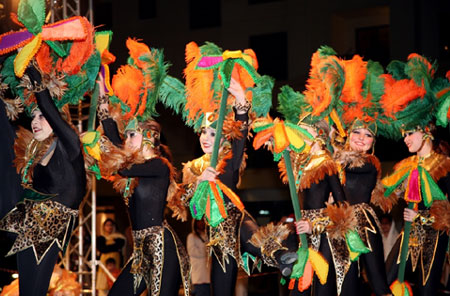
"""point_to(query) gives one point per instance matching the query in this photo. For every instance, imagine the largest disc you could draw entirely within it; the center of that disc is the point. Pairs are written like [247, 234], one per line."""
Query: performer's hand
[210, 174]
[101, 85]
[237, 91]
[409, 215]
[303, 226]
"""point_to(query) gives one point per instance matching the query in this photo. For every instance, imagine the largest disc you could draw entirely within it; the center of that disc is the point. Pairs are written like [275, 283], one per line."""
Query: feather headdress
[136, 85]
[409, 99]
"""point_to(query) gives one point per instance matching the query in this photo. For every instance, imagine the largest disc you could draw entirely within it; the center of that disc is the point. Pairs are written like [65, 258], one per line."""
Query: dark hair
[387, 216]
[110, 261]
[195, 228]
[109, 220]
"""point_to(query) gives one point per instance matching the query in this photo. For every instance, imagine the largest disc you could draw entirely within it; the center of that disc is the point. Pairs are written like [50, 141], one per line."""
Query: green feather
[290, 104]
[173, 94]
[78, 85]
[156, 69]
[417, 70]
[397, 70]
[210, 49]
[262, 96]
[326, 50]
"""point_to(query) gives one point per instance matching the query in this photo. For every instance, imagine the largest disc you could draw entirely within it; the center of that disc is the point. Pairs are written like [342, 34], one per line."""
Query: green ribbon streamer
[198, 200]
[404, 250]
[299, 266]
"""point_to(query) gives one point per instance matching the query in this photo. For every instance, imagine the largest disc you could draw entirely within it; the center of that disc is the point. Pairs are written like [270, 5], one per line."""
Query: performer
[317, 178]
[229, 226]
[146, 180]
[424, 178]
[359, 172]
[428, 228]
[226, 239]
[51, 163]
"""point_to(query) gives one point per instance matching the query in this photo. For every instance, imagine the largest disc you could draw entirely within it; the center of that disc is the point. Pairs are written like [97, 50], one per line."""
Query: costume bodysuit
[318, 179]
[360, 173]
[427, 245]
[159, 259]
[44, 219]
[232, 234]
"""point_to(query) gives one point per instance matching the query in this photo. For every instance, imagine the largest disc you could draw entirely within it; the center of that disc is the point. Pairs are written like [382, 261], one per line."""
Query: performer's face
[361, 140]
[40, 127]
[133, 140]
[413, 141]
[207, 137]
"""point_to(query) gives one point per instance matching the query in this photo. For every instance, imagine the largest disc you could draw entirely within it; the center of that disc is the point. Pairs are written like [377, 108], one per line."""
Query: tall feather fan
[206, 74]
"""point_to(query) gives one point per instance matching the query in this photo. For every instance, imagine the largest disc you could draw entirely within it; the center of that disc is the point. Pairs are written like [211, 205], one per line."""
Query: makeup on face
[40, 126]
[361, 140]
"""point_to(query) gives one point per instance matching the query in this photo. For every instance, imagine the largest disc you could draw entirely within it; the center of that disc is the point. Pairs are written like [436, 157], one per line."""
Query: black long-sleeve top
[147, 203]
[64, 174]
[11, 190]
[359, 183]
[317, 195]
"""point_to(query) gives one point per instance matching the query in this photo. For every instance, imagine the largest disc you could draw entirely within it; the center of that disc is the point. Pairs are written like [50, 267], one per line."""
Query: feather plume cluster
[385, 203]
[440, 210]
[343, 219]
[13, 108]
[325, 82]
[271, 232]
[136, 85]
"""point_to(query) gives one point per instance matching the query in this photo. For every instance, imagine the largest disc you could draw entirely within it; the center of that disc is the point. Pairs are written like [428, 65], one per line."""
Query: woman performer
[51, 163]
[428, 228]
[317, 178]
[424, 178]
[145, 179]
[159, 259]
[359, 172]
[234, 233]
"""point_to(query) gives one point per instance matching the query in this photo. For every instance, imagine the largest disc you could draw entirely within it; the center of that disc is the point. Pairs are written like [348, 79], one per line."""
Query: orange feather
[44, 59]
[398, 93]
[355, 73]
[262, 137]
[136, 49]
[198, 83]
[317, 92]
[79, 52]
[127, 84]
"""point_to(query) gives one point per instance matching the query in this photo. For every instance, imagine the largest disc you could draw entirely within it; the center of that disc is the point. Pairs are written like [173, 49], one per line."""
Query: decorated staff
[408, 103]
[285, 137]
[208, 197]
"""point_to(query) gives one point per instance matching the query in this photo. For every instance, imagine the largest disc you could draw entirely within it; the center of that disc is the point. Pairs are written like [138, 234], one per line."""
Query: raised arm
[66, 135]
